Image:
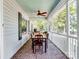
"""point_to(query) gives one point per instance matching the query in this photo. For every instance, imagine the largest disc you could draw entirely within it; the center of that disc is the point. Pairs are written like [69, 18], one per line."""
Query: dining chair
[37, 41]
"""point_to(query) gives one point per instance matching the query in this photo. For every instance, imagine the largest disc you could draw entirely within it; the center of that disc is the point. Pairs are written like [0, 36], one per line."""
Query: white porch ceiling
[32, 6]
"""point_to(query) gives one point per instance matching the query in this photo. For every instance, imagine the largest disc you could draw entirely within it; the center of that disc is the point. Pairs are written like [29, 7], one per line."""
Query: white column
[78, 28]
[49, 24]
[1, 29]
[67, 23]
[27, 27]
[31, 26]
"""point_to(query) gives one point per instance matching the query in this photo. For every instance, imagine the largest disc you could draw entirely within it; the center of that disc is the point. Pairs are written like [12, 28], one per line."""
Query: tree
[40, 24]
[59, 21]
[73, 19]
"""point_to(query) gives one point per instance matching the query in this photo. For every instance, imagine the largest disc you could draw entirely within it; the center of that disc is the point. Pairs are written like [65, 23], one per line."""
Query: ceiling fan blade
[44, 13]
[41, 13]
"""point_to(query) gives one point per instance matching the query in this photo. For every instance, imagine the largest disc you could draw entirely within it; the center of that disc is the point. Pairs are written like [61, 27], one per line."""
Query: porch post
[67, 26]
[78, 29]
[31, 26]
[48, 25]
[27, 26]
[1, 30]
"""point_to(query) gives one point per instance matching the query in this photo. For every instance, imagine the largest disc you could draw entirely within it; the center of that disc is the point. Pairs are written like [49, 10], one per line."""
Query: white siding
[10, 19]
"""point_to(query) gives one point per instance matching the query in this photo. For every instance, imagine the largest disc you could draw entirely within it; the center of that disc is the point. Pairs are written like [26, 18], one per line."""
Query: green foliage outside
[40, 24]
[23, 25]
[73, 19]
[60, 20]
[72, 9]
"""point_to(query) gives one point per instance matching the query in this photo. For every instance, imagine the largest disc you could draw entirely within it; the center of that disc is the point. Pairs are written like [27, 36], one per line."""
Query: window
[19, 26]
[22, 26]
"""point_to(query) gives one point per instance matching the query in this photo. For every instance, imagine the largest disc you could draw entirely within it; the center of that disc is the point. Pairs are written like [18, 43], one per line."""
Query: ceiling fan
[41, 13]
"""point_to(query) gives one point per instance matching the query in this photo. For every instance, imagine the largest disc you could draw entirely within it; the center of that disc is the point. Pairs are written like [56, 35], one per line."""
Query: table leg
[32, 45]
[45, 46]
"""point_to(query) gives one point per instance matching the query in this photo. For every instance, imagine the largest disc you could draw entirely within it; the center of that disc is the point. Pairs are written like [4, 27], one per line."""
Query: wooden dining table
[44, 38]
